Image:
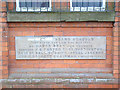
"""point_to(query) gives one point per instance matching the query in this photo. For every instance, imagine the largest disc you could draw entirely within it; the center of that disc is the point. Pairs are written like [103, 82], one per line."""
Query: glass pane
[77, 3]
[28, 4]
[88, 3]
[22, 4]
[43, 4]
[34, 4]
[85, 4]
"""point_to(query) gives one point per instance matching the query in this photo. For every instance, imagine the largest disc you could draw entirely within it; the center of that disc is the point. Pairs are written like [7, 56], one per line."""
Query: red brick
[115, 66]
[11, 52]
[109, 61]
[1, 29]
[109, 42]
[0, 63]
[4, 58]
[116, 25]
[115, 71]
[99, 86]
[68, 29]
[51, 65]
[3, 19]
[115, 34]
[117, 9]
[54, 61]
[109, 51]
[0, 39]
[3, 4]
[63, 25]
[3, 14]
[5, 67]
[69, 61]
[28, 66]
[115, 57]
[12, 48]
[115, 75]
[115, 62]
[3, 25]
[0, 53]
[4, 48]
[82, 24]
[116, 44]
[49, 25]
[115, 53]
[108, 56]
[5, 76]
[70, 34]
[27, 33]
[116, 29]
[12, 57]
[0, 76]
[109, 38]
[97, 34]
[3, 9]
[90, 65]
[115, 86]
[5, 62]
[13, 61]
[117, 19]
[0, 67]
[58, 33]
[4, 39]
[95, 61]
[115, 38]
[4, 44]
[5, 53]
[5, 71]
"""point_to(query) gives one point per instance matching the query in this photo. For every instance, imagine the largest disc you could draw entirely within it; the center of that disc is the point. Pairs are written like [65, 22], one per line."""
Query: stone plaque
[61, 47]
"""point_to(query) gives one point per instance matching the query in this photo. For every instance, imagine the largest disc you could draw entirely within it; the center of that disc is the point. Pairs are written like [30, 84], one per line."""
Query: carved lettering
[65, 47]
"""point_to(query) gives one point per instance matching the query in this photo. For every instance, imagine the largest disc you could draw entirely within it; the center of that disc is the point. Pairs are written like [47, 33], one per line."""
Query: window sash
[83, 7]
[86, 7]
[30, 6]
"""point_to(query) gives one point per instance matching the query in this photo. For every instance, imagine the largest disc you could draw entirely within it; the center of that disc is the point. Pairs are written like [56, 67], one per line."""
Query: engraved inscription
[61, 47]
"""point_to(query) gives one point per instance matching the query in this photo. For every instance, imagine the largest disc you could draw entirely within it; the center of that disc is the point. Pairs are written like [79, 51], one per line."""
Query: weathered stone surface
[61, 47]
[60, 75]
[57, 17]
[58, 81]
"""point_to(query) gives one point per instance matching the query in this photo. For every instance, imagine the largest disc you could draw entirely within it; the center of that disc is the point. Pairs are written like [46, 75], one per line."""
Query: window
[42, 5]
[87, 5]
[45, 5]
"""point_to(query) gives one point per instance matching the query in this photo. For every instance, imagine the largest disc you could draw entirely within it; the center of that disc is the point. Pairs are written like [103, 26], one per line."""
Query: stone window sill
[59, 16]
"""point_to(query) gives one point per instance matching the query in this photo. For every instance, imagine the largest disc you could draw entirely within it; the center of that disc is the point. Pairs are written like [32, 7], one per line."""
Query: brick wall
[60, 29]
[3, 41]
[116, 39]
[0, 50]
[19, 69]
[29, 68]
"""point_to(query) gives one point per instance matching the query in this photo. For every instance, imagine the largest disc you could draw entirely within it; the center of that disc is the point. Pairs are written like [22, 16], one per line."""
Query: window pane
[86, 3]
[34, 4]
[77, 3]
[95, 4]
[25, 4]
[28, 4]
[22, 4]
[43, 4]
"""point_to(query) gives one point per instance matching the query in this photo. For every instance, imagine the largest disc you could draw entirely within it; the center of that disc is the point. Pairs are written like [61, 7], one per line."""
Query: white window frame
[102, 8]
[32, 9]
